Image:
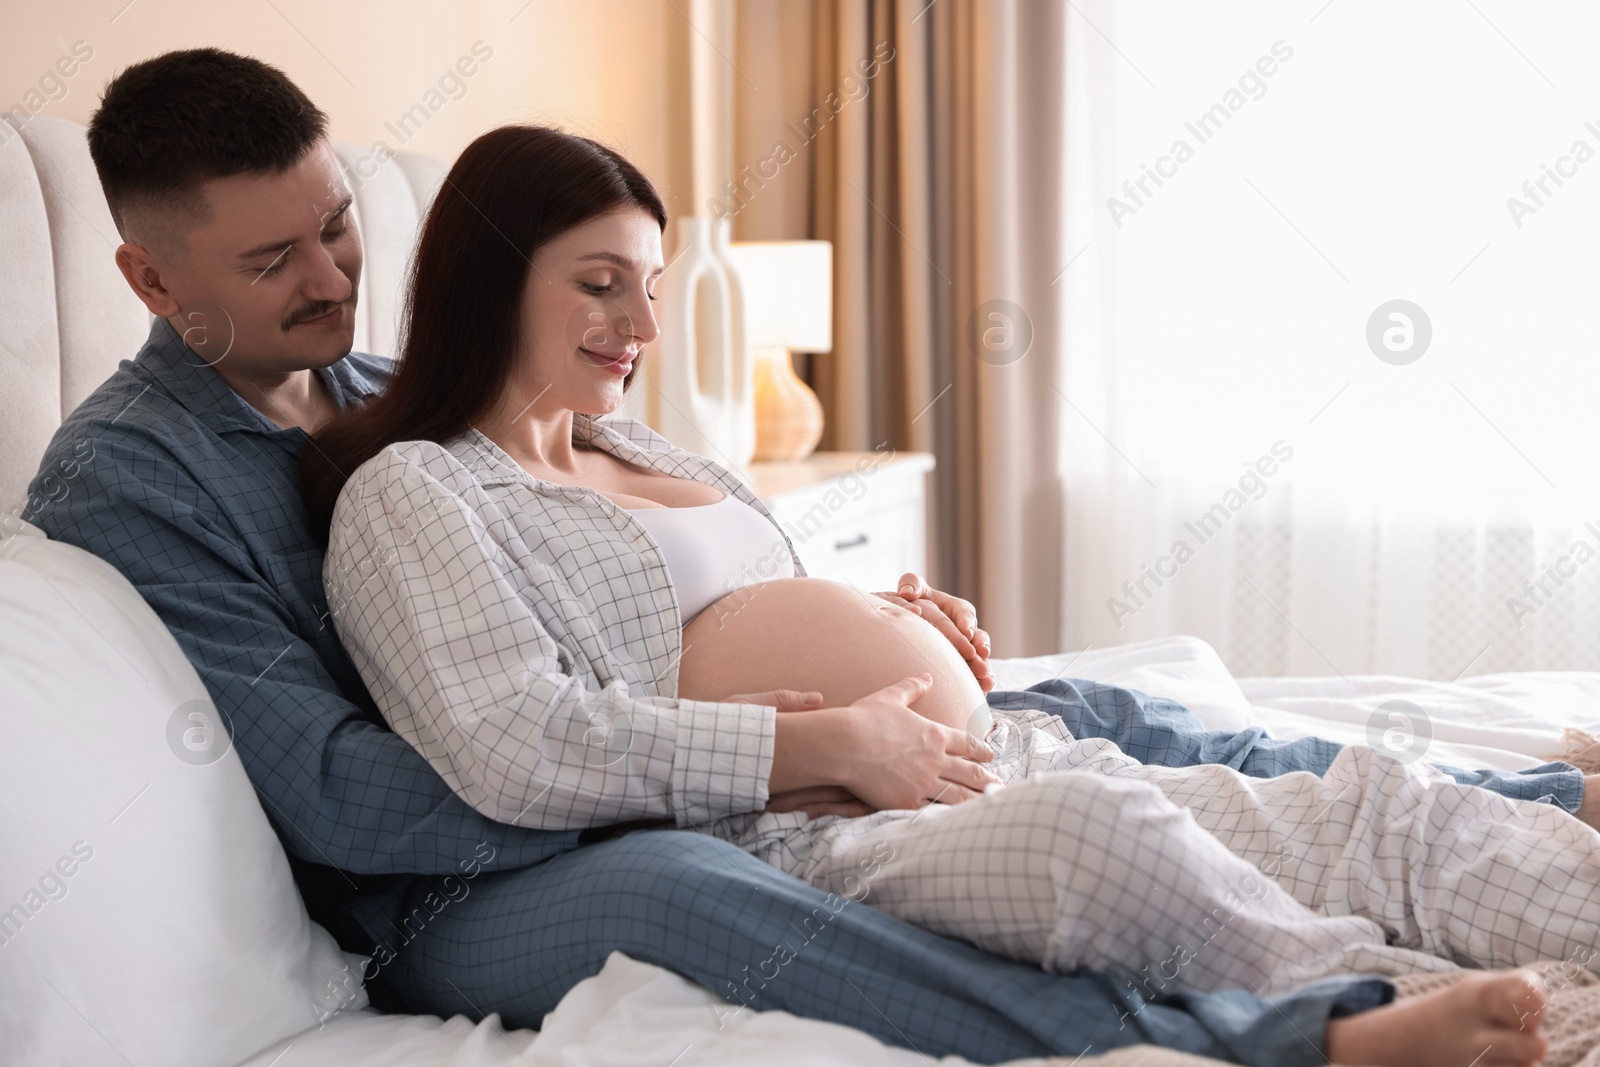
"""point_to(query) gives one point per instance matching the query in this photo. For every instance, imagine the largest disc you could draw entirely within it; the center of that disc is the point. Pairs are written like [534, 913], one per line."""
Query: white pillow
[1185, 669]
[147, 912]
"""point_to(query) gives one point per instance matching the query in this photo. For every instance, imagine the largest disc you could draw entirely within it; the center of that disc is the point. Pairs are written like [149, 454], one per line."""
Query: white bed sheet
[1505, 721]
[631, 1014]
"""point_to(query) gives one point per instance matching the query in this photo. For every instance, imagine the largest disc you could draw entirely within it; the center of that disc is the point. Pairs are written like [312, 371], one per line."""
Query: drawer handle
[855, 542]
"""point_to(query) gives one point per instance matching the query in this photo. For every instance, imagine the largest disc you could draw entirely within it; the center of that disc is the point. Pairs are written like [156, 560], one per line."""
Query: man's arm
[341, 790]
[1164, 733]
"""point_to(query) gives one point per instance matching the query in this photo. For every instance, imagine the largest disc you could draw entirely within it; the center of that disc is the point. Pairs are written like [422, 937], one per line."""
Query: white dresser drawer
[882, 544]
[853, 517]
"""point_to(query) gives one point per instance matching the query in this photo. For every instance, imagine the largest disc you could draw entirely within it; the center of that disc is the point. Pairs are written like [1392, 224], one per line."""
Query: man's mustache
[310, 311]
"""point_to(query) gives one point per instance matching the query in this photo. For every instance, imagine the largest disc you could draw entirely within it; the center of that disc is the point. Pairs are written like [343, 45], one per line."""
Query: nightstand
[858, 517]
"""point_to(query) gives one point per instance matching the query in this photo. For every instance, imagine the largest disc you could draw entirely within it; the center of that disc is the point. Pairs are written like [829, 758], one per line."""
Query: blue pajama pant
[520, 939]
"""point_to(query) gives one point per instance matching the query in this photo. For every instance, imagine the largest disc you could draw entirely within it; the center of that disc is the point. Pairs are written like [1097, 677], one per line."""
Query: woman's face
[587, 311]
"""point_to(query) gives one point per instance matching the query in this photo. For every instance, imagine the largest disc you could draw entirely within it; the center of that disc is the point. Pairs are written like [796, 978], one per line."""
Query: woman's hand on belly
[953, 617]
[881, 751]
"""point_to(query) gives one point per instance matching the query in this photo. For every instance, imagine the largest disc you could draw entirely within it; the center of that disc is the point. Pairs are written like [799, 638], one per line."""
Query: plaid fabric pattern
[1438, 868]
[192, 494]
[1201, 878]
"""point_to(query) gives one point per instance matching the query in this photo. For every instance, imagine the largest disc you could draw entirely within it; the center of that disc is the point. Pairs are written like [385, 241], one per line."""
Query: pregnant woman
[580, 625]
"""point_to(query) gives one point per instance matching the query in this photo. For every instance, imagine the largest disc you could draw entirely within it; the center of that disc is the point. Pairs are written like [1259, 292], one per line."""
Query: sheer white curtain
[1255, 451]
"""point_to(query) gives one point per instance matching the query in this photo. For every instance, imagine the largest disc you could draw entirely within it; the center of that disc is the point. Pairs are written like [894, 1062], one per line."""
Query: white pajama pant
[1200, 878]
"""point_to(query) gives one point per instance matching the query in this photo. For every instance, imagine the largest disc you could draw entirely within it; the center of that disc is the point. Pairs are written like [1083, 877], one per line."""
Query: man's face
[268, 283]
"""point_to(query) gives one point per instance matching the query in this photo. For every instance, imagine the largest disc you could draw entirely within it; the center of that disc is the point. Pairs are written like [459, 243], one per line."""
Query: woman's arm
[427, 601]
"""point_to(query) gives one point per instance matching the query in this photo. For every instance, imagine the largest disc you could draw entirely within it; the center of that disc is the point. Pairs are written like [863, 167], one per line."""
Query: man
[238, 238]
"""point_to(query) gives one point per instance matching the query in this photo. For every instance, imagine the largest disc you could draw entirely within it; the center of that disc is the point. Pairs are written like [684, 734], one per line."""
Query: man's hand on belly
[820, 800]
[782, 699]
[953, 617]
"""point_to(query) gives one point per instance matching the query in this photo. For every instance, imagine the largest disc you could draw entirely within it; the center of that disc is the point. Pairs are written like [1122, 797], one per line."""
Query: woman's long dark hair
[512, 190]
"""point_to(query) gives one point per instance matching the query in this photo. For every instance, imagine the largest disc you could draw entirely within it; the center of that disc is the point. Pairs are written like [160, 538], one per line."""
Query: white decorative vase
[697, 378]
[741, 354]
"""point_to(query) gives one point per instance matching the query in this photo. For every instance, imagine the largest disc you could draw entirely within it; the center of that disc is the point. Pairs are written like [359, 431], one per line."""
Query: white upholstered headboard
[67, 317]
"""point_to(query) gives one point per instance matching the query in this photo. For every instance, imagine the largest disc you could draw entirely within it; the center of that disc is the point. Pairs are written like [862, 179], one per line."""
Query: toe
[1516, 1001]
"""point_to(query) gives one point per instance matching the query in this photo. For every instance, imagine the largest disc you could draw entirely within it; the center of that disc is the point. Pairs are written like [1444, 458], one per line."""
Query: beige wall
[615, 70]
[774, 45]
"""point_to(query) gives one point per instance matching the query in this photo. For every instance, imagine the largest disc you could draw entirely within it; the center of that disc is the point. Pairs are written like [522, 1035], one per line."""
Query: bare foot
[1488, 1020]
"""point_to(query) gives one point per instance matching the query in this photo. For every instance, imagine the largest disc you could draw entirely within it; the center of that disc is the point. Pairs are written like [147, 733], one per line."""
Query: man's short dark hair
[167, 125]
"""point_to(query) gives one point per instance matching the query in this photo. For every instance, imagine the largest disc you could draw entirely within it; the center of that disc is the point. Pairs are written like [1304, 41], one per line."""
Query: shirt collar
[627, 439]
[196, 385]
[350, 383]
[493, 466]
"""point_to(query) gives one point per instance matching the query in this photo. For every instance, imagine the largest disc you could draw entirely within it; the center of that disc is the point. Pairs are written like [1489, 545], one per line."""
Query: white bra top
[713, 549]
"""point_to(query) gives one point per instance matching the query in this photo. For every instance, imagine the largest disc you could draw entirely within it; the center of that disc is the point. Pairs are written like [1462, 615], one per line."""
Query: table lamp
[788, 305]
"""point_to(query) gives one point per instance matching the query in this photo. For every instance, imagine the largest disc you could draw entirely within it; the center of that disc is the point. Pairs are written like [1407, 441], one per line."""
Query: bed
[141, 963]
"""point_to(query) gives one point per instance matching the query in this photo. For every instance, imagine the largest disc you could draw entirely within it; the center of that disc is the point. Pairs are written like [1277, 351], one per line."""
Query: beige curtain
[938, 176]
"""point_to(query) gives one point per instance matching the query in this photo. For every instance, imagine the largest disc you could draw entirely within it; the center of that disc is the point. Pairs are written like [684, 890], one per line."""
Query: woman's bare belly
[816, 634]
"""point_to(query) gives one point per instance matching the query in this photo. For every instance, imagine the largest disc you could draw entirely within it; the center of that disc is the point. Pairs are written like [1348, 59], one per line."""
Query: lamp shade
[788, 293]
